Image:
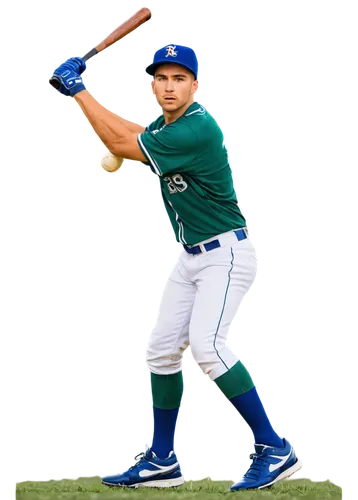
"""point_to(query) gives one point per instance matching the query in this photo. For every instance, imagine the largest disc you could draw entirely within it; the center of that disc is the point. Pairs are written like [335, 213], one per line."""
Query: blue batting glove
[71, 82]
[76, 62]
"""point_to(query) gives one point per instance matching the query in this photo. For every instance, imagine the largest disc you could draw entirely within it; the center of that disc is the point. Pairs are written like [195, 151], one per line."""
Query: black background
[88, 254]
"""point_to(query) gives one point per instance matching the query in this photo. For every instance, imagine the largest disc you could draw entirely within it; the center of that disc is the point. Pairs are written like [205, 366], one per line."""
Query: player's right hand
[70, 82]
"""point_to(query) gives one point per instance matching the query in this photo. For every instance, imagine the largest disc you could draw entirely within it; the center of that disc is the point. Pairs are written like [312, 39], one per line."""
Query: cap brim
[152, 67]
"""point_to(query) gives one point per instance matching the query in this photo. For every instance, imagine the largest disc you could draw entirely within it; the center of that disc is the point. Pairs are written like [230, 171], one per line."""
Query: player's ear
[151, 87]
[153, 83]
[194, 86]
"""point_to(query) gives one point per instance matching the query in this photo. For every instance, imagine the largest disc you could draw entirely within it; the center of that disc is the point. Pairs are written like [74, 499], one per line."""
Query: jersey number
[176, 184]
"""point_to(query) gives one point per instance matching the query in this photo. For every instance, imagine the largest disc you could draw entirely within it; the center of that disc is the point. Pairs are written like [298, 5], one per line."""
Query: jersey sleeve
[170, 149]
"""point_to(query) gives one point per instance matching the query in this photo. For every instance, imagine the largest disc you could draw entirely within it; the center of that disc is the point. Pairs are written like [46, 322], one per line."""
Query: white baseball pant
[199, 302]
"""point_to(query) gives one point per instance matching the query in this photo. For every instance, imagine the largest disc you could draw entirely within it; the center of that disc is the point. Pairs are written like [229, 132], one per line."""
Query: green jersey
[191, 160]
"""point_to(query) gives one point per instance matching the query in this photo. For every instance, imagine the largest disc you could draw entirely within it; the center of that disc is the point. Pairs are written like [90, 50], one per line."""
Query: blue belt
[240, 235]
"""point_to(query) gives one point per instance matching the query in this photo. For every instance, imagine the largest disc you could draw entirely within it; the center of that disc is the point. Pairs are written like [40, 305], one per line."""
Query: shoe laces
[143, 457]
[254, 470]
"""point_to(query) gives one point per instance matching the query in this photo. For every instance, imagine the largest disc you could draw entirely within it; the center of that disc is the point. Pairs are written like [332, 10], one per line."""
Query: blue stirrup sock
[164, 428]
[167, 391]
[238, 387]
[250, 408]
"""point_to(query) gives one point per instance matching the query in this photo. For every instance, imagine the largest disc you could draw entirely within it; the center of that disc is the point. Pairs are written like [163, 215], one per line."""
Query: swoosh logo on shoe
[161, 469]
[279, 464]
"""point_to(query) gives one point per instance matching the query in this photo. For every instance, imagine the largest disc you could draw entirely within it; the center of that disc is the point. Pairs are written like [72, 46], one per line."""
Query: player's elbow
[114, 149]
[120, 144]
[119, 150]
[127, 147]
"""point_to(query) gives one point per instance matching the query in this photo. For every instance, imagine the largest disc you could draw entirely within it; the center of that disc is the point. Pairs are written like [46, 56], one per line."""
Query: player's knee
[163, 363]
[208, 357]
[203, 355]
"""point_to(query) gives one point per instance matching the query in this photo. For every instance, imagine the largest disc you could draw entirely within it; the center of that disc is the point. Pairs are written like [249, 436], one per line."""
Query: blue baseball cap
[177, 54]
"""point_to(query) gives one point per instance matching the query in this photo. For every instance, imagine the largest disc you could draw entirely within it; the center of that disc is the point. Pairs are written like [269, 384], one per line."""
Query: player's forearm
[110, 128]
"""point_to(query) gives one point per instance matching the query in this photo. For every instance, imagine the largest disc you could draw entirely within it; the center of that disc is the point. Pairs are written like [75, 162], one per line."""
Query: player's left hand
[69, 75]
[76, 62]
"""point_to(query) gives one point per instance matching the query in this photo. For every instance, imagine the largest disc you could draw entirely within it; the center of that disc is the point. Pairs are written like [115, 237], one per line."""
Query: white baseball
[111, 162]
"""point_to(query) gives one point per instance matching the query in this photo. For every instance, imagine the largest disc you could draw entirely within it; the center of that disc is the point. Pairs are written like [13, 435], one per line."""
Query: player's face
[173, 86]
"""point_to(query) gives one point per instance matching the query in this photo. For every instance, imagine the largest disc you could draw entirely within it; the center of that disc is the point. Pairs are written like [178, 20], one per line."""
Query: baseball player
[185, 148]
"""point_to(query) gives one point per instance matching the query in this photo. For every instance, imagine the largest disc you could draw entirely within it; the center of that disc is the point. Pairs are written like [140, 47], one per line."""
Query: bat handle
[56, 82]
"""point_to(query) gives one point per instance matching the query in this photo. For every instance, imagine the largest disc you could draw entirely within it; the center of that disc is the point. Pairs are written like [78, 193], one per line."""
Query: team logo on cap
[171, 51]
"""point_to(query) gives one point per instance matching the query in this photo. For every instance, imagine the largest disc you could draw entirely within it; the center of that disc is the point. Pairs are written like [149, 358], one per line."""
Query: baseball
[111, 162]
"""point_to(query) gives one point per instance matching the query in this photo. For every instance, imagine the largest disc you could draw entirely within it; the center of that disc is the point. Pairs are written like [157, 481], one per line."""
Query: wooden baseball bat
[131, 24]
